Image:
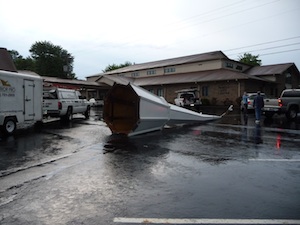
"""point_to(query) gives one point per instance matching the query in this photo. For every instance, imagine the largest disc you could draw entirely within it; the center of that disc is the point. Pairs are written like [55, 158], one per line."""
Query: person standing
[258, 104]
[245, 103]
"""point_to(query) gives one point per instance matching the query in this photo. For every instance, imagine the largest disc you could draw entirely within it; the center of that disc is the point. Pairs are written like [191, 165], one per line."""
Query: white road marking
[276, 160]
[203, 221]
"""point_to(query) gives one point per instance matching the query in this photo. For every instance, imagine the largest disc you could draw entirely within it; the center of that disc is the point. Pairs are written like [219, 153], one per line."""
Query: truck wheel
[69, 115]
[292, 113]
[9, 126]
[87, 113]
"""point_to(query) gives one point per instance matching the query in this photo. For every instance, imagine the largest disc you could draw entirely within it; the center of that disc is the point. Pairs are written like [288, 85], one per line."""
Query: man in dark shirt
[258, 104]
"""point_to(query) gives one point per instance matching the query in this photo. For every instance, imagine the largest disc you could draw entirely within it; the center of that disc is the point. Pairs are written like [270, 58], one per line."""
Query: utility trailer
[20, 100]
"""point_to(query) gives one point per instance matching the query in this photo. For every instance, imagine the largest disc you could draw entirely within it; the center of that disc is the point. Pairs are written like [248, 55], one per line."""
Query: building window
[205, 91]
[160, 92]
[151, 72]
[288, 78]
[169, 70]
[135, 74]
[229, 65]
[239, 67]
[151, 90]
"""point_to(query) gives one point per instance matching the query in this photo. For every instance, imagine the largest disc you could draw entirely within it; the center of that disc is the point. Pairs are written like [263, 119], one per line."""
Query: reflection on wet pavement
[82, 174]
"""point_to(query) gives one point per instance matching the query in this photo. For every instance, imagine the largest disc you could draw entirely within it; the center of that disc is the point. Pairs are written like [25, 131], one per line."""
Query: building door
[28, 100]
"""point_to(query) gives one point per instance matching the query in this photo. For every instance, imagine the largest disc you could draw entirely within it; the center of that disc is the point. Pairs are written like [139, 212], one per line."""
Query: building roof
[6, 62]
[172, 62]
[111, 79]
[63, 81]
[203, 76]
[69, 81]
[269, 69]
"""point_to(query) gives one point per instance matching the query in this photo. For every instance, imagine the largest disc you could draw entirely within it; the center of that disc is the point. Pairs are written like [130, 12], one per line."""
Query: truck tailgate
[271, 105]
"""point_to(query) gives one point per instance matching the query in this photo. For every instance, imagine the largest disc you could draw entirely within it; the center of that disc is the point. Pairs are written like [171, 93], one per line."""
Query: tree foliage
[20, 62]
[115, 66]
[250, 59]
[46, 60]
[52, 60]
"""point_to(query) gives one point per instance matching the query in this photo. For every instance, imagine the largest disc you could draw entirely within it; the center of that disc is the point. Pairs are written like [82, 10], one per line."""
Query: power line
[239, 25]
[272, 53]
[264, 43]
[237, 12]
[263, 49]
[170, 26]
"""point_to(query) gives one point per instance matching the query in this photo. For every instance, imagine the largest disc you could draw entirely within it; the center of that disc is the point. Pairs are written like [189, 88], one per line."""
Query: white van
[20, 99]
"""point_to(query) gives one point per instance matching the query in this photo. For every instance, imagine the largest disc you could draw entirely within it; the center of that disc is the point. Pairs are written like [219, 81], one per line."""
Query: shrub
[214, 101]
[205, 101]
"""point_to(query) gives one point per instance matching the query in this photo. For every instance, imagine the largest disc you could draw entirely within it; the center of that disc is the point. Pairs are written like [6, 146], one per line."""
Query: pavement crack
[12, 192]
[16, 170]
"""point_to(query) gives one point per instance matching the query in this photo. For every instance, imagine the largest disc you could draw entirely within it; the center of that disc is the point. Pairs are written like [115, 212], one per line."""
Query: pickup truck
[288, 103]
[63, 103]
[187, 98]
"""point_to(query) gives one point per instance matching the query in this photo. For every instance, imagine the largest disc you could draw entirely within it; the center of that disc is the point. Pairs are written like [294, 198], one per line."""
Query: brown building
[217, 78]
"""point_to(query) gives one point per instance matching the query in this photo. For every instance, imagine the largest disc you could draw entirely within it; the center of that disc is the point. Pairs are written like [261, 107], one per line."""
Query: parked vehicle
[288, 103]
[63, 103]
[96, 102]
[187, 98]
[20, 100]
[251, 97]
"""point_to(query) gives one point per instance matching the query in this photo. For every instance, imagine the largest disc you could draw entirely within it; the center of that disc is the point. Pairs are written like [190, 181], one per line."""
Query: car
[251, 97]
[96, 102]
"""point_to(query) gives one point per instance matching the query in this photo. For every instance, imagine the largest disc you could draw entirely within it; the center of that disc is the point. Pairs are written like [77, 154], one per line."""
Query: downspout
[239, 88]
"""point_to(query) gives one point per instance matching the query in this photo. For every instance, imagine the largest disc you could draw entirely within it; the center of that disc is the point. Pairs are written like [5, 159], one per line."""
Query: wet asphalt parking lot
[227, 172]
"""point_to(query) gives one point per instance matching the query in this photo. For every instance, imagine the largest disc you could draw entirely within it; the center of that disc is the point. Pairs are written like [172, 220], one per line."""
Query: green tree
[52, 60]
[14, 54]
[250, 59]
[114, 66]
[20, 62]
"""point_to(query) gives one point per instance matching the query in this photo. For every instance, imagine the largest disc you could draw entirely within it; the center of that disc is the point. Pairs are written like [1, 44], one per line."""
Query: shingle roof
[60, 80]
[269, 69]
[70, 81]
[111, 79]
[6, 62]
[203, 76]
[171, 62]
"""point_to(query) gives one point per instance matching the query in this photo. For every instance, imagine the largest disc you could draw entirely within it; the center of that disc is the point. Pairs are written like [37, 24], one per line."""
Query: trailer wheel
[9, 126]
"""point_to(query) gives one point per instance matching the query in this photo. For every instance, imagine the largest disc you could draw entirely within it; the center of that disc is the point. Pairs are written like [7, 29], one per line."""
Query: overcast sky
[98, 33]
